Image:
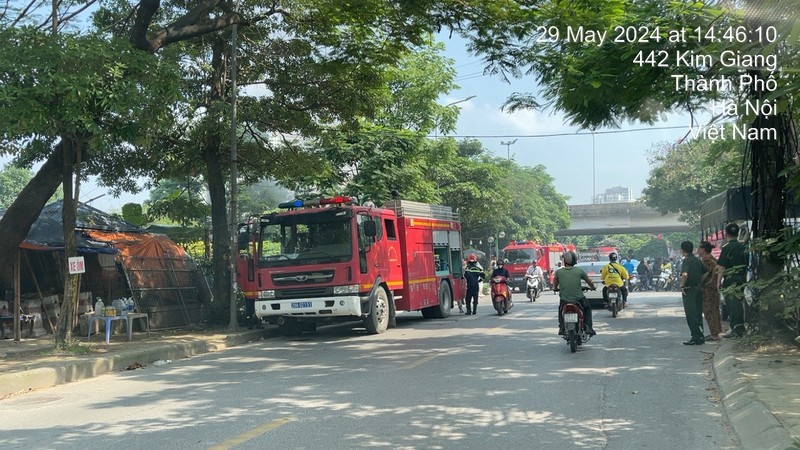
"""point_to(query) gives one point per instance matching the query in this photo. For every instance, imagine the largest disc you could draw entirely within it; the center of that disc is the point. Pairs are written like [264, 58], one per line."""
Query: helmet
[570, 258]
[472, 258]
[612, 256]
[500, 263]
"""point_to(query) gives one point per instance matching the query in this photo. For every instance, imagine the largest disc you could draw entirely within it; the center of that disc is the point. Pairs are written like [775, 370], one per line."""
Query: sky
[573, 160]
[580, 165]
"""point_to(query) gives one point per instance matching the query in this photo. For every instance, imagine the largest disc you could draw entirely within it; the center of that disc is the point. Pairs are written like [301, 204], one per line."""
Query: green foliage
[638, 245]
[683, 176]
[495, 194]
[387, 150]
[12, 180]
[179, 202]
[85, 88]
[779, 296]
[537, 209]
[468, 180]
[133, 214]
[582, 79]
[653, 248]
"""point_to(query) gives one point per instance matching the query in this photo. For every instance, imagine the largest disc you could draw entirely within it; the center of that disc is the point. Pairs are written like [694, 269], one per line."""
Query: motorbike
[633, 282]
[574, 325]
[500, 295]
[664, 281]
[614, 304]
[533, 287]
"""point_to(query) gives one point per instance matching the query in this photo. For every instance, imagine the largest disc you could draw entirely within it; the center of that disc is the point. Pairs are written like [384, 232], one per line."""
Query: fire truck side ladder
[407, 208]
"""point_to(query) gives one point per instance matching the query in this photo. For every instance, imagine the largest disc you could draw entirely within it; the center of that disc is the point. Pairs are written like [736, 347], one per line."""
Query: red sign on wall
[76, 265]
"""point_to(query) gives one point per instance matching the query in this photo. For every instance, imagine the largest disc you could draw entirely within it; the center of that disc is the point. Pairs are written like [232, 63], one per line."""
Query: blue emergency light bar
[338, 200]
[291, 204]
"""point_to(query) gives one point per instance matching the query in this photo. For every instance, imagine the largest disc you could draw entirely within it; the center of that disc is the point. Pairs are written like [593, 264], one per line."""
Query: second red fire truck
[520, 255]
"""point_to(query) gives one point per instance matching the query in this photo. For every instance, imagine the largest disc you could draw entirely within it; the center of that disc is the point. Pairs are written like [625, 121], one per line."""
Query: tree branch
[194, 23]
[22, 14]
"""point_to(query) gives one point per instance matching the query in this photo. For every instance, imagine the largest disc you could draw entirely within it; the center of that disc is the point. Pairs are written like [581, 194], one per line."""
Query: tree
[12, 180]
[79, 100]
[323, 38]
[576, 76]
[684, 175]
[537, 208]
[181, 202]
[494, 194]
[387, 150]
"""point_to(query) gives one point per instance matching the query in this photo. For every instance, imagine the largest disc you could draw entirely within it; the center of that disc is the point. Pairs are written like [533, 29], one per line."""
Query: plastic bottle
[117, 304]
[99, 307]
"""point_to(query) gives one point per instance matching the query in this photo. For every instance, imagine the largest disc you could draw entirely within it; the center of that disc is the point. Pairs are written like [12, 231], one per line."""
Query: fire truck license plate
[301, 304]
[571, 317]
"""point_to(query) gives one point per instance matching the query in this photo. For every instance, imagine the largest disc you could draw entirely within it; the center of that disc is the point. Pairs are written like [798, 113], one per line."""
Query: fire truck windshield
[521, 255]
[305, 239]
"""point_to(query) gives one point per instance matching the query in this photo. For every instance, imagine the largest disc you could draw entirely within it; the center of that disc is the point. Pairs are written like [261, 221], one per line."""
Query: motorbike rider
[644, 274]
[614, 274]
[474, 275]
[501, 271]
[535, 272]
[567, 282]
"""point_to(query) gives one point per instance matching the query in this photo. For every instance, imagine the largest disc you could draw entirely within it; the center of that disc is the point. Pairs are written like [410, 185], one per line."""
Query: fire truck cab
[329, 260]
[521, 254]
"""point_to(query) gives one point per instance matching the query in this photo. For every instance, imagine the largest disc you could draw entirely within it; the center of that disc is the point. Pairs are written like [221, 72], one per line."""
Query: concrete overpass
[620, 218]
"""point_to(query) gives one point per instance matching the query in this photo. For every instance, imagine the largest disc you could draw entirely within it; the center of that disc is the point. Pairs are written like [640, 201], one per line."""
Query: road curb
[69, 371]
[752, 421]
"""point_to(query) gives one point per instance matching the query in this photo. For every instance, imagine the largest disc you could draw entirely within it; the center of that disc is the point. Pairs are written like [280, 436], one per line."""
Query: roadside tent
[163, 279]
[122, 260]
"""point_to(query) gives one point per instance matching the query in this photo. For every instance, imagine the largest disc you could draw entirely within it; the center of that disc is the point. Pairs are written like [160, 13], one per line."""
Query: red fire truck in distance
[520, 255]
[329, 260]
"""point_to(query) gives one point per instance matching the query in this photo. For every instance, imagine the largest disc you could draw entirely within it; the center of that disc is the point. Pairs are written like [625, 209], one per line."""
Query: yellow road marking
[420, 362]
[250, 434]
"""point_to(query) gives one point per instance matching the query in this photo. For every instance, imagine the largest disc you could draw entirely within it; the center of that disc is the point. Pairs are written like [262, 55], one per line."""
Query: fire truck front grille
[283, 294]
[290, 279]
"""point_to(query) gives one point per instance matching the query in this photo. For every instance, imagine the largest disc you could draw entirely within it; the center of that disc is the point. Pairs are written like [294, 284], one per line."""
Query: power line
[469, 77]
[577, 133]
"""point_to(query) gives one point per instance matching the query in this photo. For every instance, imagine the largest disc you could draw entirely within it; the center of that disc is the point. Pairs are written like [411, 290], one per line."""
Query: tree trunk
[215, 177]
[63, 335]
[19, 217]
[769, 159]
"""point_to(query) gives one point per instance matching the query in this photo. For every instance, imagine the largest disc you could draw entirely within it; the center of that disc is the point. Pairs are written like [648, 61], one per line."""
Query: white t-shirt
[535, 271]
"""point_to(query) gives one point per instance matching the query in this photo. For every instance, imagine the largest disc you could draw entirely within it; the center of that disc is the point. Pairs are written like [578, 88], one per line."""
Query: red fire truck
[520, 255]
[330, 260]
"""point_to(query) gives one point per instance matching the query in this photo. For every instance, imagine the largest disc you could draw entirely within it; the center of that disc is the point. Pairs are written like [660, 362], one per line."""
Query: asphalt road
[468, 382]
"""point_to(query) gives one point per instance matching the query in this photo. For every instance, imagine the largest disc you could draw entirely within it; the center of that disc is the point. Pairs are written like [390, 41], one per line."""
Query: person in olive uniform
[692, 274]
[733, 268]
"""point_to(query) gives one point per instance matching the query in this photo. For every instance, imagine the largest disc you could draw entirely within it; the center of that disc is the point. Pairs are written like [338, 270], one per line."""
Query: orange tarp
[139, 244]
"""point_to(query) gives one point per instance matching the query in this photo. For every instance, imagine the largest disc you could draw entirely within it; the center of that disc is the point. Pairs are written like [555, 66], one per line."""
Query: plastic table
[128, 318]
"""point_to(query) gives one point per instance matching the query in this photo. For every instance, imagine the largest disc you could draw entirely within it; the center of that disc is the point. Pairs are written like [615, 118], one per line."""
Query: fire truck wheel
[378, 319]
[442, 310]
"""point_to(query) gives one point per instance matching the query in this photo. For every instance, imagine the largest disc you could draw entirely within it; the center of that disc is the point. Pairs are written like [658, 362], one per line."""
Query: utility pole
[594, 198]
[508, 145]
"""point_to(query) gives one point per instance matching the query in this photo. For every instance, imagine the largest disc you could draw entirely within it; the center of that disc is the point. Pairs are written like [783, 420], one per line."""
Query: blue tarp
[47, 233]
